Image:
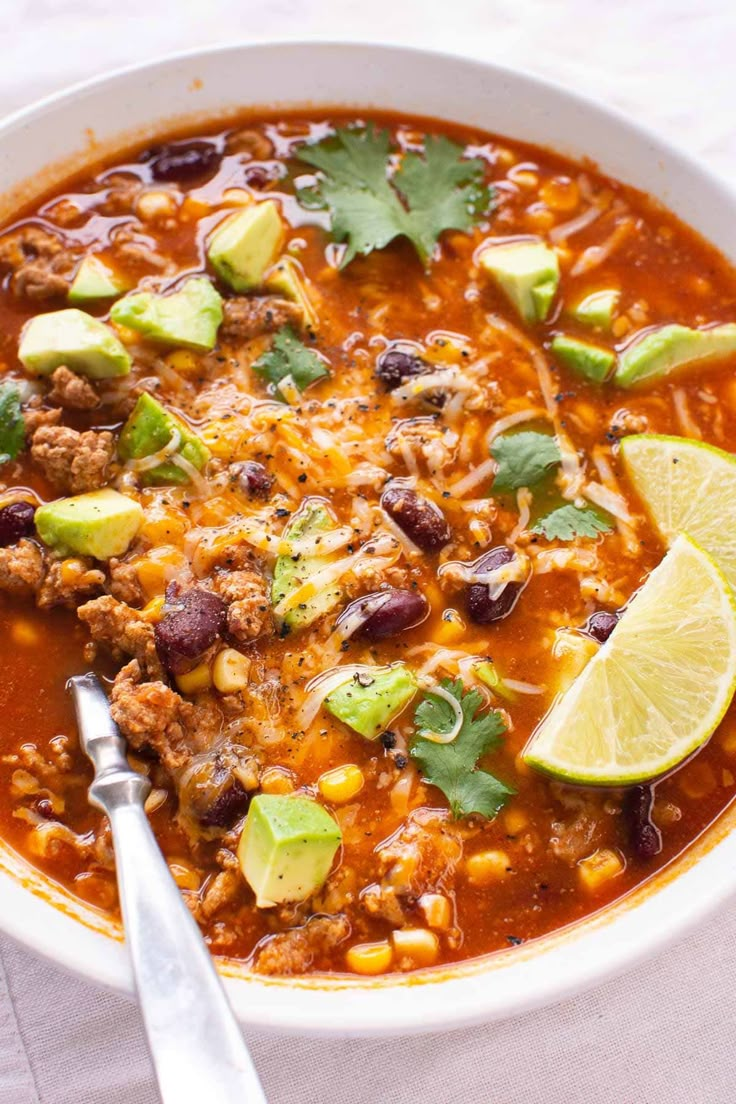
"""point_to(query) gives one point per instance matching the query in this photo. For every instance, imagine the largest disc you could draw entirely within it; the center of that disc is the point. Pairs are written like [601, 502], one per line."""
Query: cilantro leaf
[452, 767]
[288, 356]
[12, 424]
[523, 459]
[568, 522]
[440, 190]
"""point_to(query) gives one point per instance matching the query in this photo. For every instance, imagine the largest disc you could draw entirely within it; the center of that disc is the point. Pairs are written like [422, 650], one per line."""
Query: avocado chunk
[246, 244]
[667, 348]
[289, 573]
[188, 318]
[71, 337]
[95, 280]
[286, 848]
[287, 279]
[149, 429]
[368, 702]
[597, 309]
[99, 524]
[528, 273]
[590, 361]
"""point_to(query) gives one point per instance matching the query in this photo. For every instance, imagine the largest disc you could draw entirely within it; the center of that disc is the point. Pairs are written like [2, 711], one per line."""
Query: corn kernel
[71, 571]
[163, 527]
[276, 781]
[230, 671]
[369, 958]
[153, 611]
[24, 633]
[487, 867]
[236, 197]
[196, 680]
[560, 194]
[185, 876]
[727, 740]
[697, 780]
[538, 217]
[505, 157]
[341, 784]
[526, 179]
[183, 360]
[599, 868]
[620, 326]
[417, 944]
[223, 437]
[515, 821]
[450, 629]
[437, 910]
[155, 205]
[193, 208]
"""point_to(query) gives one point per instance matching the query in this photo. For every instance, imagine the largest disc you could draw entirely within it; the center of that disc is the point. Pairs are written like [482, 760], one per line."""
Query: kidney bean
[191, 623]
[644, 835]
[253, 478]
[402, 609]
[182, 161]
[230, 804]
[211, 793]
[422, 521]
[16, 521]
[600, 625]
[482, 608]
[395, 366]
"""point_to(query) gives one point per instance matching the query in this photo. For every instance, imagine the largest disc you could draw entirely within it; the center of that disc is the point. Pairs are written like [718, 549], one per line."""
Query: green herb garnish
[452, 767]
[370, 205]
[568, 522]
[288, 356]
[523, 459]
[12, 423]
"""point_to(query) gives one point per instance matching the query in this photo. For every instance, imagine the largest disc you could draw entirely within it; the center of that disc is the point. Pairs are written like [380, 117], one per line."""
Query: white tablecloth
[664, 1033]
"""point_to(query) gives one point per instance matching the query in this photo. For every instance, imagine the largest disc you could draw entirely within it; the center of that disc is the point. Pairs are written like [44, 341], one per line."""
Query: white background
[664, 1034]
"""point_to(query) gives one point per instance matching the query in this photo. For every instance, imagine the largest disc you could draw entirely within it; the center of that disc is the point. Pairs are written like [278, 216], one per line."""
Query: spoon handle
[197, 1048]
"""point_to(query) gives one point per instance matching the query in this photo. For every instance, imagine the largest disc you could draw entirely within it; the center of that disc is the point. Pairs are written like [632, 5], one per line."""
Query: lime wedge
[687, 487]
[657, 688]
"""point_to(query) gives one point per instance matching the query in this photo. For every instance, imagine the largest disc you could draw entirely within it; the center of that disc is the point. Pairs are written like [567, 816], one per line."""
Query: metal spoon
[197, 1048]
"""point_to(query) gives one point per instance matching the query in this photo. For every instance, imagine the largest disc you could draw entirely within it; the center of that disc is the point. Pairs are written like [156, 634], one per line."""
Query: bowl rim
[602, 946]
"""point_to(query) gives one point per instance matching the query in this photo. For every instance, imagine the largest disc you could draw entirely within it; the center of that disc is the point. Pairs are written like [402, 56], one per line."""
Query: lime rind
[657, 689]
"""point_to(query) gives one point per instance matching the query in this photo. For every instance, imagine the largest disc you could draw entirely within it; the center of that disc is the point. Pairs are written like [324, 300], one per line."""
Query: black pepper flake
[302, 478]
[388, 739]
[400, 761]
[514, 940]
[282, 513]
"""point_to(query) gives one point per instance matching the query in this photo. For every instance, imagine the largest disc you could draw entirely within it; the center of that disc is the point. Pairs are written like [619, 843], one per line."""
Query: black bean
[192, 620]
[482, 608]
[645, 837]
[600, 625]
[422, 521]
[253, 478]
[183, 161]
[394, 366]
[211, 793]
[16, 521]
[402, 609]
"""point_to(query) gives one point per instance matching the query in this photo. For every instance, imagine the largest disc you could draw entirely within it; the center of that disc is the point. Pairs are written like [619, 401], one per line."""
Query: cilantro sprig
[370, 206]
[568, 522]
[523, 459]
[288, 356]
[12, 423]
[452, 767]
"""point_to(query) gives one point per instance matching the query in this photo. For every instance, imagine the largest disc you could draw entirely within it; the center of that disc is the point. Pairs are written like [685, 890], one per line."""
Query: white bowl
[42, 144]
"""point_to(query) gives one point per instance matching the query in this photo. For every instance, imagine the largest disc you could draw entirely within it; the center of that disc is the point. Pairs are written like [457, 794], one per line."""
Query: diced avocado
[100, 524]
[487, 672]
[289, 572]
[95, 280]
[528, 272]
[71, 337]
[286, 848]
[188, 318]
[286, 278]
[246, 244]
[597, 309]
[661, 351]
[149, 429]
[367, 702]
[590, 361]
